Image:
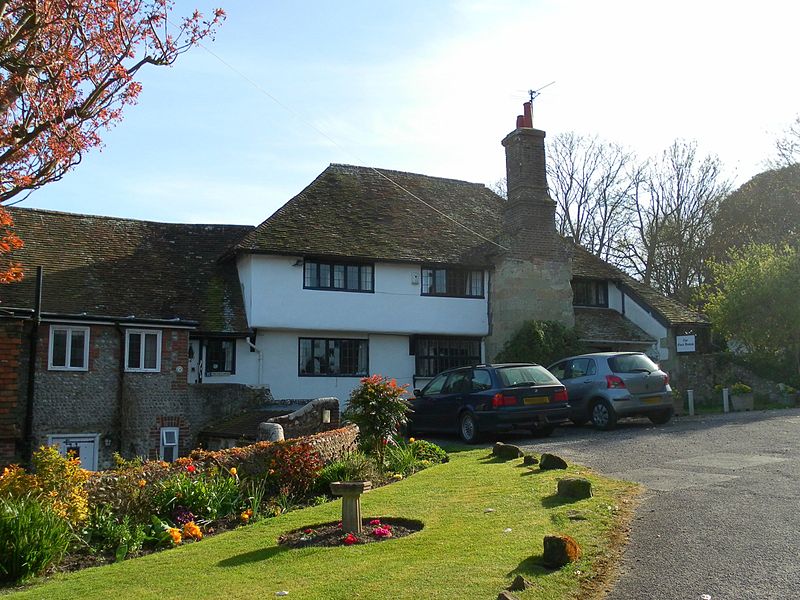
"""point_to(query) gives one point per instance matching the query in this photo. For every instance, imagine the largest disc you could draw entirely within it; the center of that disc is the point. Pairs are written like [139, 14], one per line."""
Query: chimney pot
[528, 115]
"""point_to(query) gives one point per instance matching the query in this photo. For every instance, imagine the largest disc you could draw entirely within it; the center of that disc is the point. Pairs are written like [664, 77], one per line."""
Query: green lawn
[462, 552]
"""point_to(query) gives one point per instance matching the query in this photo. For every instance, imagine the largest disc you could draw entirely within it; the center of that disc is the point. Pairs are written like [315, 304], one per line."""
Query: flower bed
[331, 534]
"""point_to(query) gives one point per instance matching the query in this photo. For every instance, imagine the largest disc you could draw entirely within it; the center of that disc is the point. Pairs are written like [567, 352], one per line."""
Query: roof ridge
[13, 209]
[395, 171]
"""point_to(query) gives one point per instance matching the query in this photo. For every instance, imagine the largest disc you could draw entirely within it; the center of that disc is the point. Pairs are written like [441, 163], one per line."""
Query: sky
[235, 129]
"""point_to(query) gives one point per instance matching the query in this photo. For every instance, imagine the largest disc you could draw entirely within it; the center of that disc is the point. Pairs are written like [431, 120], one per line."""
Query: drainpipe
[260, 358]
[121, 391]
[32, 355]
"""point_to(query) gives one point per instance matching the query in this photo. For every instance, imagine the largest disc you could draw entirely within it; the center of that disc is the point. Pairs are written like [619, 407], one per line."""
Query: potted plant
[741, 397]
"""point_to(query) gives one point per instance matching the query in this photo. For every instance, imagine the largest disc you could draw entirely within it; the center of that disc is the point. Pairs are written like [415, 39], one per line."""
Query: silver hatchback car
[605, 386]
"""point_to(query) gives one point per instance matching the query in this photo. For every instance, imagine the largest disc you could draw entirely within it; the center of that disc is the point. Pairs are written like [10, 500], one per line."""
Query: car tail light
[499, 400]
[561, 395]
[613, 382]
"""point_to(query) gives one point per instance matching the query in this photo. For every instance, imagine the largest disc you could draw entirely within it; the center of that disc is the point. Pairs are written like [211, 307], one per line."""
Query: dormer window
[587, 292]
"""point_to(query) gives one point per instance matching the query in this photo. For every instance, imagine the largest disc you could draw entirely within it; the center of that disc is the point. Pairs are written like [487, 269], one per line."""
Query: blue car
[489, 398]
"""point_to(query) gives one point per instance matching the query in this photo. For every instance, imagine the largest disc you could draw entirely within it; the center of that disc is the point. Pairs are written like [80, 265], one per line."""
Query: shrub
[355, 466]
[105, 533]
[33, 536]
[378, 408]
[542, 342]
[57, 481]
[206, 496]
[741, 388]
[292, 468]
[429, 451]
[400, 458]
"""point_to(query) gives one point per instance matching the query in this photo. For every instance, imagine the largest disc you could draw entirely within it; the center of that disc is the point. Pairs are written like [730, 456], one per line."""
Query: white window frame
[66, 367]
[141, 368]
[162, 443]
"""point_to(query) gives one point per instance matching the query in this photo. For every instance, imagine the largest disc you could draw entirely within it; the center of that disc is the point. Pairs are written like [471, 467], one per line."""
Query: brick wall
[13, 388]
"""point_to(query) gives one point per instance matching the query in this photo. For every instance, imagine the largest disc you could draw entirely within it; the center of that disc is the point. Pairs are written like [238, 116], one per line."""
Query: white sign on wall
[685, 343]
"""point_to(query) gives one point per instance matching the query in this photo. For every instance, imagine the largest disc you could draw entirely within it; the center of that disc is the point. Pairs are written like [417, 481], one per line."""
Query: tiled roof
[105, 266]
[355, 212]
[606, 325]
[586, 265]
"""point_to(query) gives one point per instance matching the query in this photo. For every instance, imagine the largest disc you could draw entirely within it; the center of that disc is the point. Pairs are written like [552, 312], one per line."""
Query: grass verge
[462, 552]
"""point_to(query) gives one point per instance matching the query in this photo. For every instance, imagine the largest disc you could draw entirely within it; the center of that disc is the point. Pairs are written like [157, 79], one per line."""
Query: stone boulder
[560, 550]
[506, 595]
[507, 451]
[269, 432]
[530, 460]
[520, 584]
[551, 461]
[575, 488]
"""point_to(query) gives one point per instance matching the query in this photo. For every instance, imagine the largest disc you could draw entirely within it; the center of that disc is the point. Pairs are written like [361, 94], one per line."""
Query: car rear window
[632, 363]
[530, 375]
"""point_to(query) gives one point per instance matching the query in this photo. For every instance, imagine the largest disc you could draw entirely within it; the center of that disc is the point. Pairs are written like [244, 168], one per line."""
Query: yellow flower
[233, 471]
[397, 476]
[246, 515]
[142, 483]
[175, 534]
[411, 440]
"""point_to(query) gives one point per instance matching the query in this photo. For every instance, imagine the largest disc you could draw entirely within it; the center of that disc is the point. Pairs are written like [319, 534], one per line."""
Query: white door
[80, 445]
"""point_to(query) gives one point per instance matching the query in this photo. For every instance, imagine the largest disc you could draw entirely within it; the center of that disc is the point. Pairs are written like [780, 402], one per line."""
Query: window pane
[59, 348]
[475, 285]
[434, 355]
[229, 347]
[352, 277]
[324, 276]
[134, 350]
[338, 277]
[150, 351]
[427, 281]
[439, 281]
[170, 453]
[78, 339]
[311, 274]
[169, 437]
[366, 278]
[333, 357]
[306, 358]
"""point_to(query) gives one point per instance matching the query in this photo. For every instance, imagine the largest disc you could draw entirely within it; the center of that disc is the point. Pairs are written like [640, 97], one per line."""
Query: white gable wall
[641, 316]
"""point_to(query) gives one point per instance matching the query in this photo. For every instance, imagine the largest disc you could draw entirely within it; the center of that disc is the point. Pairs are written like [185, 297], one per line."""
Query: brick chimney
[531, 279]
[529, 216]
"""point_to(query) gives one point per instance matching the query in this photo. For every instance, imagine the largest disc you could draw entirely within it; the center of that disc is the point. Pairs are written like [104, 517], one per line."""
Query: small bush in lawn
[428, 451]
[355, 466]
[292, 468]
[378, 408]
[400, 458]
[56, 480]
[105, 533]
[206, 496]
[33, 537]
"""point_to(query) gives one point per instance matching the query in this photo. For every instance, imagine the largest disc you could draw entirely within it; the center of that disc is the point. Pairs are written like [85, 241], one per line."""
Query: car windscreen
[632, 363]
[525, 375]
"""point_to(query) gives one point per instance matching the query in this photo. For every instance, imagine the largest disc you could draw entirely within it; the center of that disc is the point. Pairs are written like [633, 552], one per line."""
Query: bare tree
[675, 198]
[590, 180]
[787, 147]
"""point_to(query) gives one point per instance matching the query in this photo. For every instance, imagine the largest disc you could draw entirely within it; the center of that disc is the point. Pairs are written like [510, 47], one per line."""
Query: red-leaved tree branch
[67, 71]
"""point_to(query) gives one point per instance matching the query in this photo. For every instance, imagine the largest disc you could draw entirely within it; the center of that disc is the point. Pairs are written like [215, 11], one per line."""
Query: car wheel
[603, 415]
[468, 428]
[662, 417]
[543, 431]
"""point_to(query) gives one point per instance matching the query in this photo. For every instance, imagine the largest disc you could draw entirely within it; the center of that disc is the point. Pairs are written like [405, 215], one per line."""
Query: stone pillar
[351, 491]
[269, 432]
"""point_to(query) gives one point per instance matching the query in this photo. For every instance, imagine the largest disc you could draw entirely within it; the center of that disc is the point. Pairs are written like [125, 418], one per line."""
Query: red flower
[191, 468]
[339, 525]
[375, 522]
[308, 531]
[350, 539]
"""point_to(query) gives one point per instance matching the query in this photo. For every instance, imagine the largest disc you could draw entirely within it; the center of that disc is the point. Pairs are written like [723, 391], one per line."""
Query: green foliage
[207, 496]
[400, 458]
[355, 466]
[104, 533]
[32, 535]
[756, 301]
[378, 408]
[741, 388]
[429, 451]
[542, 342]
[292, 468]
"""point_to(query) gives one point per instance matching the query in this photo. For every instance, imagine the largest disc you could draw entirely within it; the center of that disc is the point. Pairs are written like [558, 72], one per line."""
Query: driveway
[721, 511]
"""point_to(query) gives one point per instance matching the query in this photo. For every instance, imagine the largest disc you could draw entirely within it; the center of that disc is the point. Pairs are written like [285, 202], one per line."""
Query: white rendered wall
[388, 356]
[275, 299]
[640, 316]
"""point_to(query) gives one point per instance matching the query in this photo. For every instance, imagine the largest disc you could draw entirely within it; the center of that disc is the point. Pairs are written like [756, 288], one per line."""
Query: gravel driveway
[721, 511]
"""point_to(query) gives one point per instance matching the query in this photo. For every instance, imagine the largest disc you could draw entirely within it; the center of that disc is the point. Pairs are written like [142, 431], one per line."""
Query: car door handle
[587, 381]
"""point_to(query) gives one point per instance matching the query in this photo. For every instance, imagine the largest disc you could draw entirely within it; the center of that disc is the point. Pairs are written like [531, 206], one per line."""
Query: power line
[343, 149]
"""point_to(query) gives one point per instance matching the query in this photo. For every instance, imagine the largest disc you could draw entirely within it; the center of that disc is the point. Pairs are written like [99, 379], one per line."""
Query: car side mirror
[418, 393]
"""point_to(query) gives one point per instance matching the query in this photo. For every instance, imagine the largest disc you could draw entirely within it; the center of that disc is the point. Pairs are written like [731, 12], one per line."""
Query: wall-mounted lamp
[326, 416]
[298, 263]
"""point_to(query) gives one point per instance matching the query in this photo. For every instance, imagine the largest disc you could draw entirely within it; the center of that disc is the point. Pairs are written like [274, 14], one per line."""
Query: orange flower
[233, 471]
[191, 530]
[246, 515]
[175, 534]
[142, 483]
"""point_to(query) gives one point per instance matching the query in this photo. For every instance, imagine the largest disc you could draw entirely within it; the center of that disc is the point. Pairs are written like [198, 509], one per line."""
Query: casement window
[437, 354]
[168, 449]
[459, 283]
[337, 276]
[333, 358]
[589, 293]
[69, 348]
[220, 357]
[143, 350]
